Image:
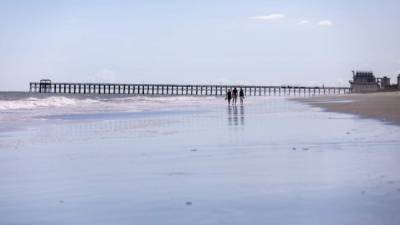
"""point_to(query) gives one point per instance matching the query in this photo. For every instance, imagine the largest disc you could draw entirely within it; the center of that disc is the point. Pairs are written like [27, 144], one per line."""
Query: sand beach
[193, 160]
[383, 106]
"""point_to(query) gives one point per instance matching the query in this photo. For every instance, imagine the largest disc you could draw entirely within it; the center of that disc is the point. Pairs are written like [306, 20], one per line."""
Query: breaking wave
[32, 102]
[99, 102]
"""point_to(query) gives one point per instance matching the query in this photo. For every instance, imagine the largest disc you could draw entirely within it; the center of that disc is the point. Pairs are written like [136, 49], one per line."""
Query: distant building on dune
[398, 81]
[365, 81]
[384, 82]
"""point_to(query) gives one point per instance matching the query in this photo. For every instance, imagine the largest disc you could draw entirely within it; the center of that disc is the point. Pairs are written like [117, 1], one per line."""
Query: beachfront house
[364, 81]
[384, 82]
[398, 81]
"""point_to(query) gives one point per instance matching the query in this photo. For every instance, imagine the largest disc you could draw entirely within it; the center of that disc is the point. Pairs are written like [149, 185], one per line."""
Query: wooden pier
[46, 86]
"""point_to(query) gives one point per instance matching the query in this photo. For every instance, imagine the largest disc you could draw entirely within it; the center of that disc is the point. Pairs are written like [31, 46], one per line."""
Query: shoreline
[383, 106]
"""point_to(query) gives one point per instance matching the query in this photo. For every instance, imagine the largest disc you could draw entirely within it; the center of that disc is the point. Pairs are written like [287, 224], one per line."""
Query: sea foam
[32, 102]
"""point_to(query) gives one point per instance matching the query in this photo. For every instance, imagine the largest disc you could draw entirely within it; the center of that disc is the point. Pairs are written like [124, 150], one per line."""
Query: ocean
[101, 159]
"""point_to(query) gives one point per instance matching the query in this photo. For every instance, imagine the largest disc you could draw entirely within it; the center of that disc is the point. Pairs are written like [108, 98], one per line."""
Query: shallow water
[193, 160]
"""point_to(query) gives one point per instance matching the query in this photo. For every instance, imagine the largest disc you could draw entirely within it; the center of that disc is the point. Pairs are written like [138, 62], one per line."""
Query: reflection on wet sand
[236, 118]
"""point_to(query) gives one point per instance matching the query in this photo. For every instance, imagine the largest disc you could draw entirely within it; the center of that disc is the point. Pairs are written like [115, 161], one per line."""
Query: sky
[269, 42]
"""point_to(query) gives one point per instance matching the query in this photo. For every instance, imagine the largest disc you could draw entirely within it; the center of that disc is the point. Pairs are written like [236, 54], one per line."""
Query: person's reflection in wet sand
[242, 115]
[229, 115]
[235, 116]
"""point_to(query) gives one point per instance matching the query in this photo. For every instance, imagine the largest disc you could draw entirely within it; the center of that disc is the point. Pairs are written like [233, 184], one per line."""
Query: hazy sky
[207, 41]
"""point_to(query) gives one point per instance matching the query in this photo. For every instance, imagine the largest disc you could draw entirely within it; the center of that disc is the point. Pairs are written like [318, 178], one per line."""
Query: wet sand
[183, 160]
[381, 106]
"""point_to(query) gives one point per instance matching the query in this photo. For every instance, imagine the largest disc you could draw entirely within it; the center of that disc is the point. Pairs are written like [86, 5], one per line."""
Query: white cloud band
[325, 23]
[276, 16]
[304, 22]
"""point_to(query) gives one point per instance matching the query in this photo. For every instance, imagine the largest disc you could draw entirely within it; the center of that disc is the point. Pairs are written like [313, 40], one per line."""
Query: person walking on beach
[241, 95]
[234, 95]
[228, 96]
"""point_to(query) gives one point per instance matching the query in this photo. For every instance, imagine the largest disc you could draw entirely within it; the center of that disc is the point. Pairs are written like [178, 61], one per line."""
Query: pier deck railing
[179, 89]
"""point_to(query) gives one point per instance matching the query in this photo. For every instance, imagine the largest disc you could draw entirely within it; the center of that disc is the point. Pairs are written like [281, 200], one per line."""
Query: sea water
[192, 160]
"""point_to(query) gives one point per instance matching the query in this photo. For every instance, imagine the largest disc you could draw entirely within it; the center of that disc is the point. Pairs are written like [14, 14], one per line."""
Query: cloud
[104, 76]
[341, 82]
[242, 82]
[225, 81]
[304, 22]
[275, 16]
[221, 81]
[312, 83]
[325, 23]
